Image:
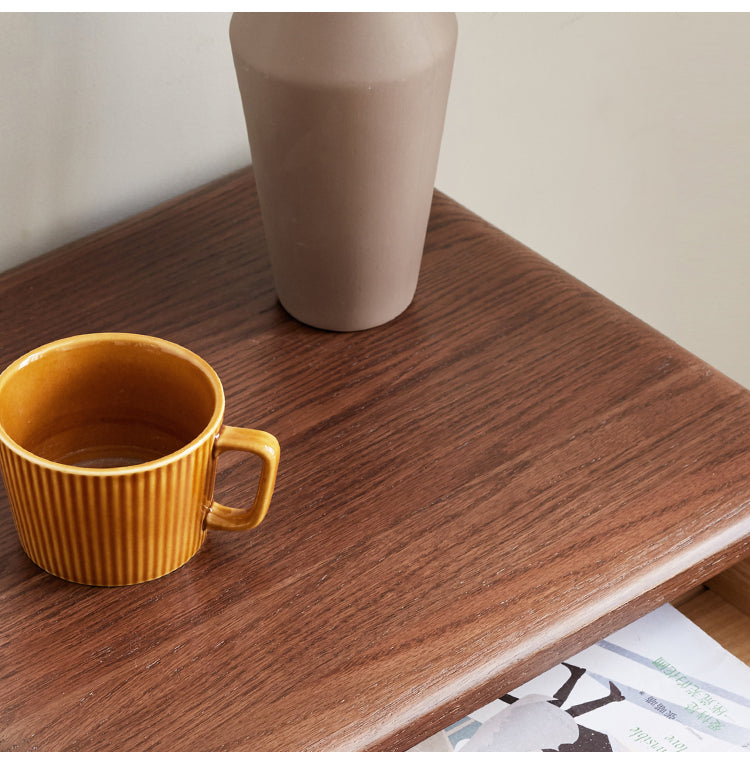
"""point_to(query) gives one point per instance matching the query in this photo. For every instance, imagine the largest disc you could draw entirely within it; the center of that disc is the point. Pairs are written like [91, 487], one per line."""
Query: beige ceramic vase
[344, 115]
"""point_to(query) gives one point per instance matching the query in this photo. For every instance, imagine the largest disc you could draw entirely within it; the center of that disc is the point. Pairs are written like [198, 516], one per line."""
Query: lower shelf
[727, 624]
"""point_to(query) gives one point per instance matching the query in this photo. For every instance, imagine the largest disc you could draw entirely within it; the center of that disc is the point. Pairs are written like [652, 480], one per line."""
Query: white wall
[616, 145]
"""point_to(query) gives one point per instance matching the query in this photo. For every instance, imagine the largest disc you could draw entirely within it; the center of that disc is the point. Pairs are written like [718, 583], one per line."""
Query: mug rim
[212, 428]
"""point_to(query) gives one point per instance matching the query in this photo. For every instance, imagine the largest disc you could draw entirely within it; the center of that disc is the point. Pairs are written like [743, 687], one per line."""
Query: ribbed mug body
[109, 528]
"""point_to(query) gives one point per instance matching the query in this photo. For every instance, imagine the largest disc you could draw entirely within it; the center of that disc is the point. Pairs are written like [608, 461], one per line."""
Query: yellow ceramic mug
[108, 447]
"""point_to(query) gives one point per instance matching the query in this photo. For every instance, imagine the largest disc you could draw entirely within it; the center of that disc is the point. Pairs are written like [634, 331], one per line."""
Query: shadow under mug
[108, 448]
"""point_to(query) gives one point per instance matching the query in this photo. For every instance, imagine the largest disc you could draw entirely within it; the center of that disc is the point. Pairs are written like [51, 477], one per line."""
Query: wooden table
[505, 474]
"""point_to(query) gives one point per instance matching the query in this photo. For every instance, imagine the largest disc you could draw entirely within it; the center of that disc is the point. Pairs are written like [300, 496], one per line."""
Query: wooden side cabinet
[505, 474]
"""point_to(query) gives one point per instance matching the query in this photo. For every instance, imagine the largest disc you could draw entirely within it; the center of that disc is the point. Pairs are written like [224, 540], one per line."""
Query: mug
[108, 448]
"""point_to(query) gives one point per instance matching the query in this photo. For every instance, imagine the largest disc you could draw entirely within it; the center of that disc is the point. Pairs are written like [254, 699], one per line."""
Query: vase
[344, 115]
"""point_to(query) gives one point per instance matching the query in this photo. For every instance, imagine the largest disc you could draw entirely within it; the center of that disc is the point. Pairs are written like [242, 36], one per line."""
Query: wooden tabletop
[503, 475]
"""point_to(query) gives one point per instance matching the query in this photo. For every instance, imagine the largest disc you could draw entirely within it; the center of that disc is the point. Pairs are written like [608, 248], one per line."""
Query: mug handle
[256, 442]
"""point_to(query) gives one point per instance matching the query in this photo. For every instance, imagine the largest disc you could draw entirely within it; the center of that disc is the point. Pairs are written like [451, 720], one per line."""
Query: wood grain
[506, 473]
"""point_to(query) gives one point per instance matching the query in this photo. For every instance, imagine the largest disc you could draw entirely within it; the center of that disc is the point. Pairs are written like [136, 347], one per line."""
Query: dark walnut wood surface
[503, 475]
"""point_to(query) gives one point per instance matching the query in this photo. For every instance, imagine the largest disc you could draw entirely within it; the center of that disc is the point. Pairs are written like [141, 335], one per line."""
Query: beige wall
[616, 145]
